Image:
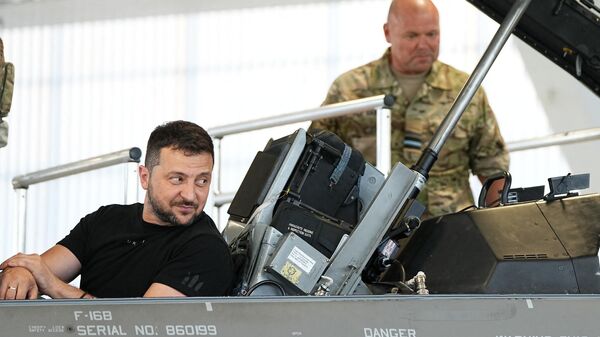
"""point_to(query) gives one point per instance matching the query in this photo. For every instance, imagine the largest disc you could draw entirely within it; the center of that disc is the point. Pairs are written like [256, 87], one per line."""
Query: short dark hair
[180, 135]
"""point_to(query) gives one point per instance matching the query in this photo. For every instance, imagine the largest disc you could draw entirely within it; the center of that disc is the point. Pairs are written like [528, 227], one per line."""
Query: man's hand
[45, 279]
[49, 273]
[17, 283]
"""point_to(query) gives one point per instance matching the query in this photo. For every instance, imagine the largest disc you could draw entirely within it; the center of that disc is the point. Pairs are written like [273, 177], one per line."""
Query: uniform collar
[436, 78]
[386, 77]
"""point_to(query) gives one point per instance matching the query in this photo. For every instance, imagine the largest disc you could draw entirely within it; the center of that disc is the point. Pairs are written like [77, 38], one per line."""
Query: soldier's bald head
[413, 31]
[400, 8]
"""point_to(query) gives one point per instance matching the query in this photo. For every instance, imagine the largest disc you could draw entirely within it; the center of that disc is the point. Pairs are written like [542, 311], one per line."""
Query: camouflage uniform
[3, 133]
[475, 143]
[7, 79]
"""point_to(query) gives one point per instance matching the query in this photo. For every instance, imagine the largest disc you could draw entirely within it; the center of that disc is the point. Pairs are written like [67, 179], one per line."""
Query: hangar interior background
[94, 77]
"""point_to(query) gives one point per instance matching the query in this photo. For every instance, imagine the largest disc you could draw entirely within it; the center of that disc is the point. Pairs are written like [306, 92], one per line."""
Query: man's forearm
[64, 290]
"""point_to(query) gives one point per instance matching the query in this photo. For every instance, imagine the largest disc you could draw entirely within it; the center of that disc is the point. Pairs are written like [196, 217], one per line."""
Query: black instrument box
[320, 232]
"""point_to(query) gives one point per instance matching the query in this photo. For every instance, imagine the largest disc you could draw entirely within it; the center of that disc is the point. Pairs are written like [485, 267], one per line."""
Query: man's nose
[423, 42]
[188, 192]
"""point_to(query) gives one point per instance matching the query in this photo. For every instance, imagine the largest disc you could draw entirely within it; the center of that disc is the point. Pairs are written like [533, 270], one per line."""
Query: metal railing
[563, 138]
[21, 183]
[132, 156]
[381, 104]
[222, 198]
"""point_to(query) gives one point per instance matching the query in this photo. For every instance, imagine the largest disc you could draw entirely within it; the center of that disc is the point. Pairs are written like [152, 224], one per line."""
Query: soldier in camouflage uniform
[425, 90]
[7, 78]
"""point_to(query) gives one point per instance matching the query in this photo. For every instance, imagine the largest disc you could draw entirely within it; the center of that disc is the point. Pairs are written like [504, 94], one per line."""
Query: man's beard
[165, 214]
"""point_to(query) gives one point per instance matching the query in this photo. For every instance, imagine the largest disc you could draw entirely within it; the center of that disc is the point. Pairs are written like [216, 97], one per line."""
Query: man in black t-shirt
[165, 247]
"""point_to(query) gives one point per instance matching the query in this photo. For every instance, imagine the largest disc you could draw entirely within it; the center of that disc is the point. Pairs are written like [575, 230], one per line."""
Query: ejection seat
[311, 188]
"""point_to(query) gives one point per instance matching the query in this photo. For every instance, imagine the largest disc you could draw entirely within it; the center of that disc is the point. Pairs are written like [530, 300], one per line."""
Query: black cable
[403, 278]
[266, 282]
[398, 285]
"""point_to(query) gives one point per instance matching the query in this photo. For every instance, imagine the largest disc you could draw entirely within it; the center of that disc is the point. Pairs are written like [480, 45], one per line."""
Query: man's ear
[144, 176]
[386, 32]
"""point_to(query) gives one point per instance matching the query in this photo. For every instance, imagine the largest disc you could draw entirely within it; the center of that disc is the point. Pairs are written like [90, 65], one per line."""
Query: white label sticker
[389, 248]
[302, 260]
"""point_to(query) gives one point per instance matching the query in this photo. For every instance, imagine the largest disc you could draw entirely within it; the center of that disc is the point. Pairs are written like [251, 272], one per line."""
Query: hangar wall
[96, 76]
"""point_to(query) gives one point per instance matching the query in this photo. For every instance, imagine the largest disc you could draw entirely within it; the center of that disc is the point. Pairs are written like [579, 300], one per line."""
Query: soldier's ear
[386, 32]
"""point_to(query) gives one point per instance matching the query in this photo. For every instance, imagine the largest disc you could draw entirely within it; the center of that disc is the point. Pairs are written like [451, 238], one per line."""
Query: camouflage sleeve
[3, 133]
[333, 96]
[488, 153]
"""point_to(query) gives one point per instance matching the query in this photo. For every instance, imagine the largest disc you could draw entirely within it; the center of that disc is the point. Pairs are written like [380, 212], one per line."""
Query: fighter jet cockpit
[306, 196]
[313, 218]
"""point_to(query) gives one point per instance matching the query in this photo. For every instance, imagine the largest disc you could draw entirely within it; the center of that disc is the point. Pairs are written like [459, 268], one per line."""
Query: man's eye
[176, 180]
[201, 182]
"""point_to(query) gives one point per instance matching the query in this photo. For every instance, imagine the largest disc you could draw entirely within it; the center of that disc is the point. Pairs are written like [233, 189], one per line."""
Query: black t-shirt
[121, 255]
